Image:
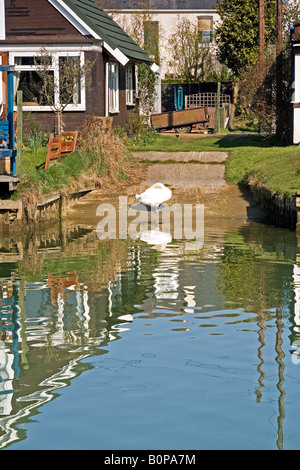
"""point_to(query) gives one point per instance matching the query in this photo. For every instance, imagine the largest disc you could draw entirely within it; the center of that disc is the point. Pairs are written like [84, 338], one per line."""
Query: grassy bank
[99, 158]
[251, 158]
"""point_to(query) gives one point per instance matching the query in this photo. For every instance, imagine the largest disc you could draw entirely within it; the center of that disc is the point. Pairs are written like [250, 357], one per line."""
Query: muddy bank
[39, 212]
[15, 216]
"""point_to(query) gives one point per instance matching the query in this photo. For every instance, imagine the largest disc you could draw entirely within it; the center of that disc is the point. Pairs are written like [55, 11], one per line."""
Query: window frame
[56, 54]
[113, 91]
[296, 94]
[129, 73]
[211, 30]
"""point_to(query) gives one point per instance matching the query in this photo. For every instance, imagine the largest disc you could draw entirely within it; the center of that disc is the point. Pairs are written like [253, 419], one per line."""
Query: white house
[296, 82]
[163, 15]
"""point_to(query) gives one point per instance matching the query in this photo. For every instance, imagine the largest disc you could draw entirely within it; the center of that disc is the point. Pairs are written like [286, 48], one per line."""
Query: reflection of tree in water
[256, 275]
[249, 280]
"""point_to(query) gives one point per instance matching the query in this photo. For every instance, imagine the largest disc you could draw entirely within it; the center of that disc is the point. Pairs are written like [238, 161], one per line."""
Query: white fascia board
[77, 22]
[117, 54]
[85, 30]
[35, 49]
[155, 68]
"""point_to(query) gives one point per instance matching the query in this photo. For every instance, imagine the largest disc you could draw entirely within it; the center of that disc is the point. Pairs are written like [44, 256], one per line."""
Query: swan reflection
[155, 237]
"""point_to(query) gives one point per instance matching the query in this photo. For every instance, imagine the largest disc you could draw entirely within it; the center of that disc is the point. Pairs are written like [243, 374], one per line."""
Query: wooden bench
[60, 146]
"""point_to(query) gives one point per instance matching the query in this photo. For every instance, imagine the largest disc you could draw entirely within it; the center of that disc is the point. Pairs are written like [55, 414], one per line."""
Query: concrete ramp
[187, 175]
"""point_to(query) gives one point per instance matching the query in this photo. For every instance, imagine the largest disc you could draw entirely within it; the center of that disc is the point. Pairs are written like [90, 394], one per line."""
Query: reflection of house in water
[9, 368]
[46, 326]
[296, 327]
[182, 286]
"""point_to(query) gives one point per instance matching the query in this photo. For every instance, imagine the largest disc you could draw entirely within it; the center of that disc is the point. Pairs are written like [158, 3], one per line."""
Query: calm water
[122, 345]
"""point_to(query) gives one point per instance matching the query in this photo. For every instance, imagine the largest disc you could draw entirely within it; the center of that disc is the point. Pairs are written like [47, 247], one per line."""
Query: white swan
[154, 196]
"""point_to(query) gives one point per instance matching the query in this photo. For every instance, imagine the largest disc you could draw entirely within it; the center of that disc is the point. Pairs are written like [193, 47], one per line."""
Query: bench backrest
[68, 142]
[4, 130]
[60, 146]
[54, 147]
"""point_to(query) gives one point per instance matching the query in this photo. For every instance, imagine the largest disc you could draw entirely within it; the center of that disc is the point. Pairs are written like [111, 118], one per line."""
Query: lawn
[250, 156]
[55, 178]
[96, 158]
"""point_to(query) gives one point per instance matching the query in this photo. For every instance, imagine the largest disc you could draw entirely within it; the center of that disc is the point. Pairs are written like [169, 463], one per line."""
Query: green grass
[277, 168]
[32, 160]
[250, 156]
[59, 174]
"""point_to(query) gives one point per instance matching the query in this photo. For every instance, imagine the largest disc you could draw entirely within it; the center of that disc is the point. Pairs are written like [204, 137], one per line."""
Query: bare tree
[63, 88]
[190, 57]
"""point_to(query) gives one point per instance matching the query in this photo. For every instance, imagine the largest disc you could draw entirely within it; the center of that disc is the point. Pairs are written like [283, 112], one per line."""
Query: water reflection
[65, 296]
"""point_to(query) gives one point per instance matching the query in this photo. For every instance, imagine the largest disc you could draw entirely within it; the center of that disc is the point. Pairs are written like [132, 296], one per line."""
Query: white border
[56, 54]
[2, 21]
[115, 110]
[85, 30]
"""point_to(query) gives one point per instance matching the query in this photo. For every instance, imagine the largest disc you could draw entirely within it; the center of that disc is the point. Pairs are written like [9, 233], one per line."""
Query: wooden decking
[11, 180]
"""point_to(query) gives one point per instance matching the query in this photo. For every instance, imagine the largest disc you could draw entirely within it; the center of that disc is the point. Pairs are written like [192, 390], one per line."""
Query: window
[2, 20]
[205, 27]
[296, 97]
[113, 87]
[129, 84]
[28, 79]
[151, 39]
[66, 81]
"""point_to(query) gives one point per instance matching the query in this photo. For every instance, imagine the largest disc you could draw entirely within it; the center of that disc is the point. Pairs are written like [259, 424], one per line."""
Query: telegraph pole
[279, 99]
[279, 26]
[261, 60]
[261, 33]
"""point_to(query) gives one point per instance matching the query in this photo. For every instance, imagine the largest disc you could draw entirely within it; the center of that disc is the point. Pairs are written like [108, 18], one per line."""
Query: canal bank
[198, 176]
[210, 172]
[281, 211]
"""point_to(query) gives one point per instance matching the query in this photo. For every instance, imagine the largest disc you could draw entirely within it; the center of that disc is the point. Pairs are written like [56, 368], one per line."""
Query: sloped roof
[102, 25]
[161, 4]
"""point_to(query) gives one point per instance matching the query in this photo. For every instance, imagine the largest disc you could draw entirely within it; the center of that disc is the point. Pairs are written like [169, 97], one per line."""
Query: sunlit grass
[250, 156]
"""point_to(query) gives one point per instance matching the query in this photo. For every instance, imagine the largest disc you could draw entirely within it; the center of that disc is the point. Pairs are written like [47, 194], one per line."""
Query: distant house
[164, 14]
[296, 82]
[76, 28]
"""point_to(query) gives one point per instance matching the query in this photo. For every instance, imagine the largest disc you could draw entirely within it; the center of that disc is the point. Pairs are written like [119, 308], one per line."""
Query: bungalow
[295, 34]
[70, 28]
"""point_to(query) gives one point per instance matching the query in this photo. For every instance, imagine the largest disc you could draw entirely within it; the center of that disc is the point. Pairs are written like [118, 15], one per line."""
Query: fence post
[20, 132]
[217, 115]
[10, 118]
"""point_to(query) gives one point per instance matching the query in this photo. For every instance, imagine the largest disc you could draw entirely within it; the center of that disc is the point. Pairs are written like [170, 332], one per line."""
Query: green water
[121, 345]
